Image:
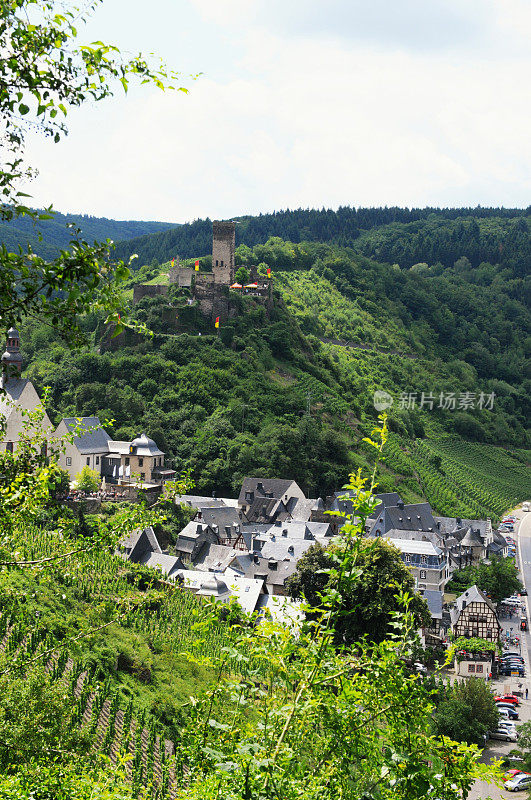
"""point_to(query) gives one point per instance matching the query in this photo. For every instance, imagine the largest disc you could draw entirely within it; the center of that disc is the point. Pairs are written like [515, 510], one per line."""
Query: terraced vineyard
[115, 639]
[463, 478]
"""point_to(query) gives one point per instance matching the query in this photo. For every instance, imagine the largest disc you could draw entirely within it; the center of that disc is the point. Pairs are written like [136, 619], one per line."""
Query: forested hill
[396, 235]
[58, 231]
[290, 392]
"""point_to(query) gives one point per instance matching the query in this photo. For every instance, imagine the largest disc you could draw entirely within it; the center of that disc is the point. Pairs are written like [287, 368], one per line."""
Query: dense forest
[290, 393]
[410, 235]
[46, 237]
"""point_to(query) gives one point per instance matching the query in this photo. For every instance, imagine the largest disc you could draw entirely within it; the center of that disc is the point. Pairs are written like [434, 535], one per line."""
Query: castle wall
[182, 276]
[148, 290]
[214, 301]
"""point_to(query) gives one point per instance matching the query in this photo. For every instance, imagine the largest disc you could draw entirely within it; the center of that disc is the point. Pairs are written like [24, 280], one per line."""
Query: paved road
[483, 790]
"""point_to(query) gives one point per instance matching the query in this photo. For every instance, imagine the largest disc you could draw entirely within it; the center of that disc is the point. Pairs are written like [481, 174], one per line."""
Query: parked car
[419, 667]
[514, 669]
[508, 698]
[519, 783]
[507, 711]
[504, 735]
[507, 659]
[505, 725]
[523, 593]
[512, 773]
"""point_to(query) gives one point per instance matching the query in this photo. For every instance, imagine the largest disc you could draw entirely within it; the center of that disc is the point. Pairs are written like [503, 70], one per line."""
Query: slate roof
[498, 539]
[302, 510]
[291, 530]
[214, 557]
[413, 517]
[263, 509]
[245, 590]
[273, 571]
[144, 446]
[165, 563]
[222, 516]
[95, 441]
[286, 549]
[262, 487]
[196, 501]
[419, 536]
[458, 526]
[434, 600]
[134, 546]
[471, 539]
[414, 546]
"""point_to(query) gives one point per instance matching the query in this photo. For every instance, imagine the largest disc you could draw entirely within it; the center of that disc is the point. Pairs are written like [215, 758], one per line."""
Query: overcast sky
[303, 103]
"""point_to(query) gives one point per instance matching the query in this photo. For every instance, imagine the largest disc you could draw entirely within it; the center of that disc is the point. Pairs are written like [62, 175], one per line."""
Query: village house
[266, 500]
[473, 615]
[17, 397]
[427, 563]
[140, 460]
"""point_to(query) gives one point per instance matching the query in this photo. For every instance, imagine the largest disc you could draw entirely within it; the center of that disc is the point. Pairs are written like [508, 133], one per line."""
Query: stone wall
[183, 277]
[148, 290]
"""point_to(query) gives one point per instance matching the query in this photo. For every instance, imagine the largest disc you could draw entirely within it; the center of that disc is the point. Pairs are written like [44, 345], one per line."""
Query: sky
[302, 103]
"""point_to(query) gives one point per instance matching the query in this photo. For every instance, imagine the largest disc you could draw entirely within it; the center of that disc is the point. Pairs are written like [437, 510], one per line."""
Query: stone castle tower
[223, 246]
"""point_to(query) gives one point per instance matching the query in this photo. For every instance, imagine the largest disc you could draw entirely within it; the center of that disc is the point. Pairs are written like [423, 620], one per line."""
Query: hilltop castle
[211, 289]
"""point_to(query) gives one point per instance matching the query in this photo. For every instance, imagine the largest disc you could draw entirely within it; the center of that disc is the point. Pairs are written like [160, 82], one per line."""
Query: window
[217, 264]
[424, 559]
[9, 447]
[68, 461]
[479, 667]
[422, 585]
[423, 574]
[407, 558]
[471, 667]
[127, 461]
[141, 462]
[142, 476]
[97, 459]
[88, 461]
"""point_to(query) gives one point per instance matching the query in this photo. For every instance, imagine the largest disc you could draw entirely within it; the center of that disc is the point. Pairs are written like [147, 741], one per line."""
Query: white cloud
[304, 125]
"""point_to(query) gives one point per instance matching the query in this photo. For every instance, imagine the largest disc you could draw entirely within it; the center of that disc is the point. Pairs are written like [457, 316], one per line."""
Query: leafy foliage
[88, 480]
[370, 602]
[498, 579]
[467, 712]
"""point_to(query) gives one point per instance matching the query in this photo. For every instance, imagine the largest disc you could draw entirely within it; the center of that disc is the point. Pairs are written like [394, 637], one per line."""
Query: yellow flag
[216, 324]
[197, 265]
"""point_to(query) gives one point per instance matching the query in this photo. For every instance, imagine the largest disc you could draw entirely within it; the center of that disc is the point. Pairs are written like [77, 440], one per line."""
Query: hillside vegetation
[47, 237]
[291, 393]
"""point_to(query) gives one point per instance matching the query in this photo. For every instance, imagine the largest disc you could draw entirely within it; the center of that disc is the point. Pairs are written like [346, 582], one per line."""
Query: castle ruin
[211, 289]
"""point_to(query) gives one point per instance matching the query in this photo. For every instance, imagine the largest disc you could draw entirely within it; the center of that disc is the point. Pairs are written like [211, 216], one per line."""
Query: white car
[519, 783]
[506, 725]
[504, 735]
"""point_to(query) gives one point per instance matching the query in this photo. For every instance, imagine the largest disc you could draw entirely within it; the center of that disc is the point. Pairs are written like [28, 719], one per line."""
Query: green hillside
[47, 237]
[397, 235]
[292, 393]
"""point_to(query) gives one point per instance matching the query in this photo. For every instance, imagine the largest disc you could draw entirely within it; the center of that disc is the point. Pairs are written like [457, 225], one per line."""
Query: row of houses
[261, 535]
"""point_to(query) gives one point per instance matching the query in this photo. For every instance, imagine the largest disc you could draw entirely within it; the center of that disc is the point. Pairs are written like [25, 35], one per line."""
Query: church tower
[11, 359]
[223, 246]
